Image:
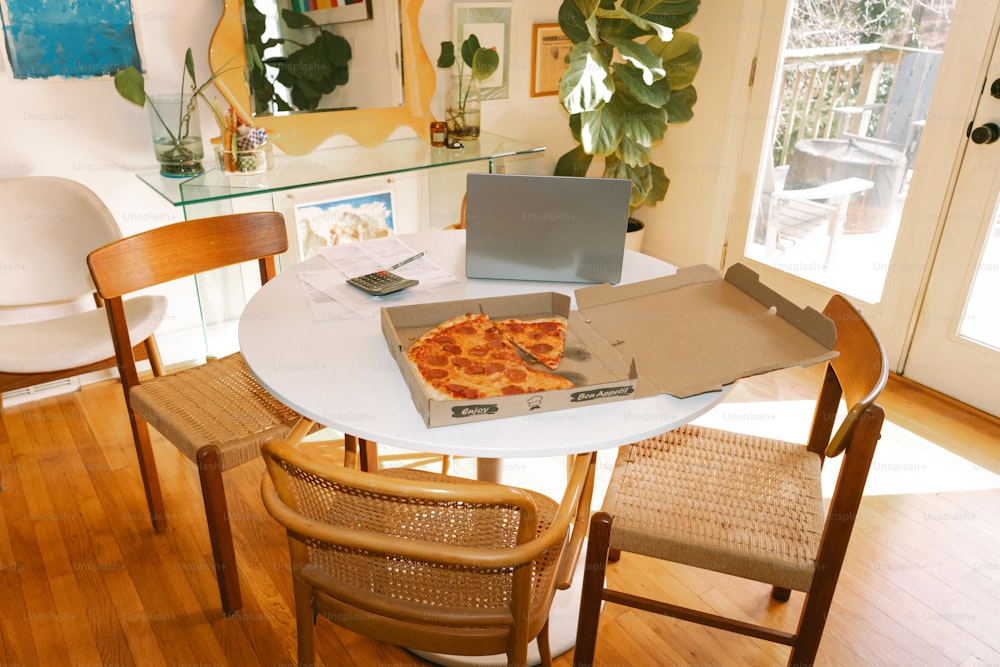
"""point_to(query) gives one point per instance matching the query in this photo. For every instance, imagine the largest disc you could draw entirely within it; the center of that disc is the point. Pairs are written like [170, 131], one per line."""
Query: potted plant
[173, 118]
[630, 75]
[462, 102]
[305, 74]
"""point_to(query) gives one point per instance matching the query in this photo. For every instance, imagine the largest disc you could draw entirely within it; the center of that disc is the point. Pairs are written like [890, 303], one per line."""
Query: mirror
[298, 132]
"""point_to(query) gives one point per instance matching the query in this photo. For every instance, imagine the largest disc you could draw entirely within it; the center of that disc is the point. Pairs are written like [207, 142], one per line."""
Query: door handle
[986, 133]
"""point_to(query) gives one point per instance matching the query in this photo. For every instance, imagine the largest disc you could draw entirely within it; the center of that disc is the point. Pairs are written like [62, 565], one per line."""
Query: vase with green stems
[173, 118]
[463, 108]
[176, 133]
[463, 100]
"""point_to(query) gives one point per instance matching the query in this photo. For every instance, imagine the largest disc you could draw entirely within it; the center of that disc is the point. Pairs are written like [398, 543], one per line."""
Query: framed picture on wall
[347, 219]
[549, 48]
[333, 11]
[490, 23]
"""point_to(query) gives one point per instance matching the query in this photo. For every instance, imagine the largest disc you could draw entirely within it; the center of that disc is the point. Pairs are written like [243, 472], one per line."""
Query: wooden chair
[51, 323]
[215, 414]
[434, 563]
[746, 506]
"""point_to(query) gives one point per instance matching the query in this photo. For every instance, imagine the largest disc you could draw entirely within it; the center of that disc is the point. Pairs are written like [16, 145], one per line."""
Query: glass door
[851, 181]
[956, 342]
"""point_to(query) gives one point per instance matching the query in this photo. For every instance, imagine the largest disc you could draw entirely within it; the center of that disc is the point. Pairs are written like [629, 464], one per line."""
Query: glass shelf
[331, 166]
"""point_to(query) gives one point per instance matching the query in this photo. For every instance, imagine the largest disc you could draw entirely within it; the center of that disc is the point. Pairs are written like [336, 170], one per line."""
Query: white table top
[341, 374]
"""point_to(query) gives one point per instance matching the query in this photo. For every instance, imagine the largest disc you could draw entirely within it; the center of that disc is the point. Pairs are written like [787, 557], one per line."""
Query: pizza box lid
[695, 331]
[600, 373]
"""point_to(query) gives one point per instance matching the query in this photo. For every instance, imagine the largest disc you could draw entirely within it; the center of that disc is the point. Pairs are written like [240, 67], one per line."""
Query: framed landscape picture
[357, 217]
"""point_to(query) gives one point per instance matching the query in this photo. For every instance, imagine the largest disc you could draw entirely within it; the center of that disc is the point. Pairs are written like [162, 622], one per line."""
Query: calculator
[381, 283]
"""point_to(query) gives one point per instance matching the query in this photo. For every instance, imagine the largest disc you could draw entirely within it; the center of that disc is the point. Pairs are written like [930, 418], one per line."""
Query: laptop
[546, 228]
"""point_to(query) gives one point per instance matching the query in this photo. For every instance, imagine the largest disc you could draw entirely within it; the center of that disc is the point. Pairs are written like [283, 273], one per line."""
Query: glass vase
[176, 132]
[462, 108]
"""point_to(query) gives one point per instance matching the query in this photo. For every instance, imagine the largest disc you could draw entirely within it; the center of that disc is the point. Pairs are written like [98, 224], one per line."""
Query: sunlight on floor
[905, 463]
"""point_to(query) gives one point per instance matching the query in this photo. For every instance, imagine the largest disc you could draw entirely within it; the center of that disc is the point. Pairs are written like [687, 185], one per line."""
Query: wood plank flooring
[85, 581]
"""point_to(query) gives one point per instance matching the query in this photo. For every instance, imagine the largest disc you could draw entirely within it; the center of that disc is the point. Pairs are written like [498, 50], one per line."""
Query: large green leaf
[575, 162]
[469, 48]
[600, 130]
[640, 177]
[573, 15]
[642, 123]
[297, 20]
[447, 57]
[586, 84]
[660, 185]
[484, 63]
[629, 79]
[618, 22]
[680, 108]
[681, 58]
[130, 85]
[633, 153]
[640, 56]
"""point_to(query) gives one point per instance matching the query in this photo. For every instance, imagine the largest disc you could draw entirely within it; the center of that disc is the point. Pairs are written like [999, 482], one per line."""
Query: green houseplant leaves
[630, 75]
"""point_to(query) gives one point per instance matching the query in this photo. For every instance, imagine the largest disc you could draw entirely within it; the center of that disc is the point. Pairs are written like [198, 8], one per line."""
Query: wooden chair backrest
[187, 248]
[338, 510]
[858, 375]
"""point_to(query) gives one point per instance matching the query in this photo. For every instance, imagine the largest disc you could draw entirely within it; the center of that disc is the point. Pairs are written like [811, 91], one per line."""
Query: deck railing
[818, 82]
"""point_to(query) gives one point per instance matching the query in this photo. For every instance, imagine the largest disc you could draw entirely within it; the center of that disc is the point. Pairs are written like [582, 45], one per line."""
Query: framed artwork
[334, 11]
[72, 40]
[549, 48]
[490, 23]
[348, 219]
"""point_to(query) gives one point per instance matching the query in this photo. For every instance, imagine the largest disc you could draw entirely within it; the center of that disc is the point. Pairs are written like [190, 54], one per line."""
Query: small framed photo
[358, 217]
[490, 23]
[326, 12]
[549, 49]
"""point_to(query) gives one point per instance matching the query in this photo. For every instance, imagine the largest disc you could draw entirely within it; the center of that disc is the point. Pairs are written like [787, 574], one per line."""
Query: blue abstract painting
[78, 39]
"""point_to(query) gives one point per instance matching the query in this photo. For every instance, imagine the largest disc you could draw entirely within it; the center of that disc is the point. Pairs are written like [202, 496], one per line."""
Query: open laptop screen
[547, 228]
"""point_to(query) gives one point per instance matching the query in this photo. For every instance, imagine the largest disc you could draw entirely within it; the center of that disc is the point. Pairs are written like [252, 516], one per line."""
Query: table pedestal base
[562, 631]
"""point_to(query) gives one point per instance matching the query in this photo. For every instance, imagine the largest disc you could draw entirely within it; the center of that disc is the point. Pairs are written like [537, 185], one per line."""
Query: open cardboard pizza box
[685, 334]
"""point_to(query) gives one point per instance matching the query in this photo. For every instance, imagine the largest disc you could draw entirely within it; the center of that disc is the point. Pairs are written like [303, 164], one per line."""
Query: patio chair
[746, 506]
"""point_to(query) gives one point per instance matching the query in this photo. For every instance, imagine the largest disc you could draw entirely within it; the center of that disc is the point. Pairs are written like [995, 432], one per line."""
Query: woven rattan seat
[215, 414]
[746, 506]
[431, 562]
[238, 418]
[750, 507]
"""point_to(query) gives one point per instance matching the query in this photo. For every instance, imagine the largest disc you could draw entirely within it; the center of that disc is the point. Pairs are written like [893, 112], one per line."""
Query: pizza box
[696, 332]
[600, 373]
[685, 334]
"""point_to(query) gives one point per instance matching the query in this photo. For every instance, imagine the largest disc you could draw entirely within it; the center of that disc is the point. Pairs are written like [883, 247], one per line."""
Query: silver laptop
[548, 228]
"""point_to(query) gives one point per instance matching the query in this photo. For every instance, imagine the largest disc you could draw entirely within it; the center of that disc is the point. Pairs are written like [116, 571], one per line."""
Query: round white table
[341, 374]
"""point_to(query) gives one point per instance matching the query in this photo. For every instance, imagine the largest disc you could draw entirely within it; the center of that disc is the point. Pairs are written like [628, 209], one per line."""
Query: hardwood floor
[85, 581]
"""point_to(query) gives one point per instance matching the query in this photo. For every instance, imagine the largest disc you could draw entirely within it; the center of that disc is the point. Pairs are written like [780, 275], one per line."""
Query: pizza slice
[542, 338]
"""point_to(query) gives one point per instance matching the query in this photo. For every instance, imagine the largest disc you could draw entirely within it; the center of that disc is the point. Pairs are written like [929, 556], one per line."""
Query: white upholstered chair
[51, 327]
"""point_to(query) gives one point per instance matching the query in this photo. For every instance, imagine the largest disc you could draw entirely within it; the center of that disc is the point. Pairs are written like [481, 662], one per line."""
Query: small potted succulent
[463, 101]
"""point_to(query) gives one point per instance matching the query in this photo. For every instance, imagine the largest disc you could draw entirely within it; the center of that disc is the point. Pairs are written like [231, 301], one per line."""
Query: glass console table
[222, 294]
[335, 165]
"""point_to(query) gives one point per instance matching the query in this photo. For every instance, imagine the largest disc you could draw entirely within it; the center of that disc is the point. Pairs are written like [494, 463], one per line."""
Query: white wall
[82, 129]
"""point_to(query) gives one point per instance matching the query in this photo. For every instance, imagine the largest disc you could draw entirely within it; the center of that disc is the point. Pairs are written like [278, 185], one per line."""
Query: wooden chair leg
[147, 468]
[781, 594]
[544, 648]
[305, 622]
[368, 454]
[223, 552]
[153, 355]
[593, 589]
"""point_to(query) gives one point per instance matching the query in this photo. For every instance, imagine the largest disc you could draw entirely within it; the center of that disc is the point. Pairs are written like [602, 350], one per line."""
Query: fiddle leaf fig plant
[630, 75]
[311, 71]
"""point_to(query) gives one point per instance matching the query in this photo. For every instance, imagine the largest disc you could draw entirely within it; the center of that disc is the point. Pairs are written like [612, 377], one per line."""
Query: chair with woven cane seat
[746, 506]
[431, 562]
[216, 414]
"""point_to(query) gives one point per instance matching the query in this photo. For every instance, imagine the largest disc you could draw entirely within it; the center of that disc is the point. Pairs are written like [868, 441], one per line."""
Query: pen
[408, 260]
